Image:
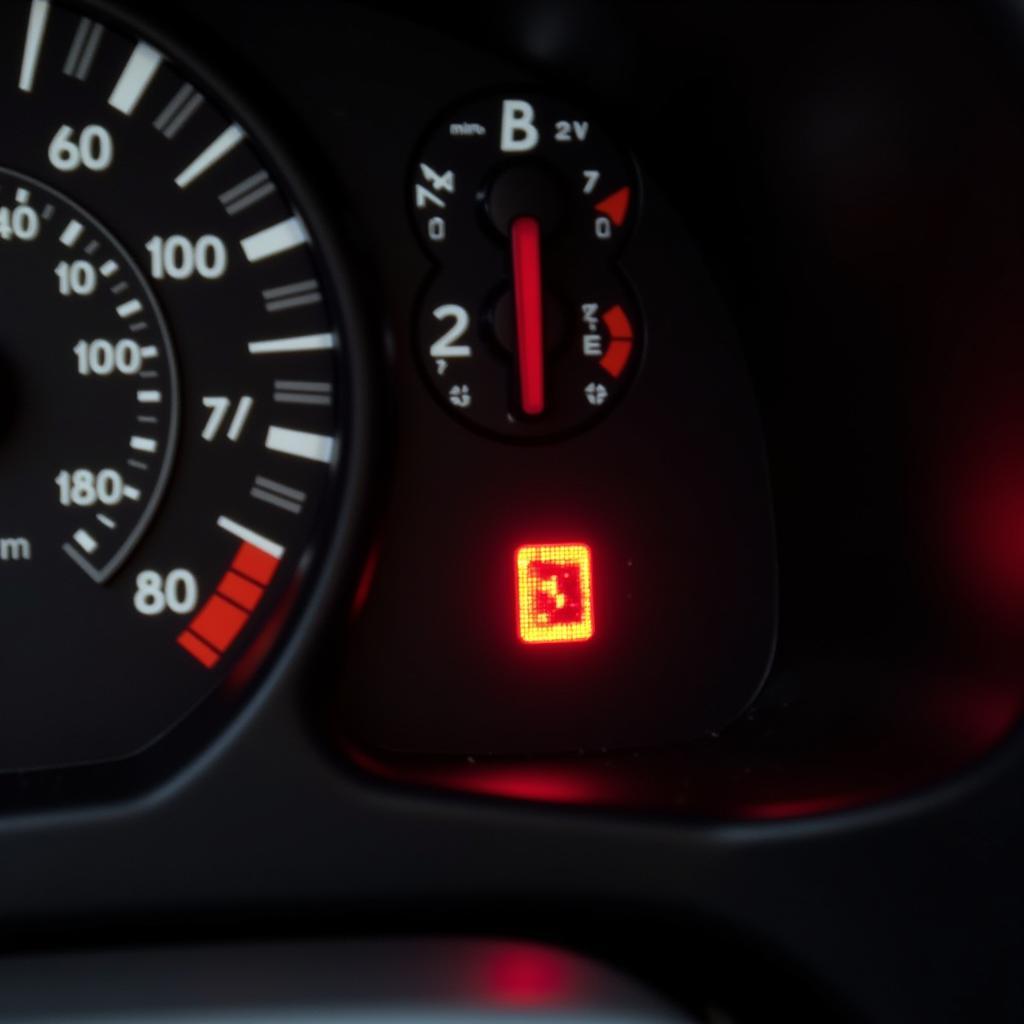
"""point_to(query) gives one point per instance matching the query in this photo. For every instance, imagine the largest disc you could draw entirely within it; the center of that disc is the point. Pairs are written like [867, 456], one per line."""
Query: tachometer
[175, 391]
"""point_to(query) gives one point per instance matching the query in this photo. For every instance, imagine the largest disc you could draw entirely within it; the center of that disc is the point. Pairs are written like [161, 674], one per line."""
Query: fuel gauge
[527, 328]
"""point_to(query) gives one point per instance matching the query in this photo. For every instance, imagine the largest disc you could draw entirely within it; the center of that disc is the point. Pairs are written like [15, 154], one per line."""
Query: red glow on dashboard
[990, 503]
[554, 593]
[805, 807]
[365, 585]
[521, 977]
[546, 784]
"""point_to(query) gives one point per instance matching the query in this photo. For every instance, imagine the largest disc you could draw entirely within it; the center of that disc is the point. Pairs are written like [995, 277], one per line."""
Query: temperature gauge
[527, 329]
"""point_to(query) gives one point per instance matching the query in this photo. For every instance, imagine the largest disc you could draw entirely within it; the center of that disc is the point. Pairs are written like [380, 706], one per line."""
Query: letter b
[518, 132]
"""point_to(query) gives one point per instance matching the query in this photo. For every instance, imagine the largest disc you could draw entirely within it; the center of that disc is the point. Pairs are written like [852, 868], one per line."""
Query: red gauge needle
[525, 232]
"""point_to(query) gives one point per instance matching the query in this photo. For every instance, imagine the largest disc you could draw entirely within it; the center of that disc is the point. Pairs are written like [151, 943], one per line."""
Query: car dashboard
[511, 512]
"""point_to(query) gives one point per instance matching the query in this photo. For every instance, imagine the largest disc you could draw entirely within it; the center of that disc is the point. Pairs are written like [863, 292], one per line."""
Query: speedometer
[177, 409]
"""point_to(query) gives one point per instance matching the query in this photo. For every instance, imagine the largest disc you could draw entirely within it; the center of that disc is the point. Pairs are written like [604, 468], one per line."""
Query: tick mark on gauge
[175, 115]
[138, 327]
[132, 493]
[83, 49]
[71, 234]
[247, 193]
[150, 351]
[86, 541]
[149, 397]
[142, 66]
[48, 211]
[301, 444]
[215, 151]
[272, 241]
[298, 392]
[291, 296]
[106, 521]
[22, 197]
[92, 248]
[303, 343]
[143, 444]
[129, 309]
[136, 464]
[257, 540]
[37, 18]
[120, 288]
[272, 493]
[110, 268]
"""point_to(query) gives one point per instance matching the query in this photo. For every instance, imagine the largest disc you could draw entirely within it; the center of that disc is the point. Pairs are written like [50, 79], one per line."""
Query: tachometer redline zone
[172, 383]
[216, 626]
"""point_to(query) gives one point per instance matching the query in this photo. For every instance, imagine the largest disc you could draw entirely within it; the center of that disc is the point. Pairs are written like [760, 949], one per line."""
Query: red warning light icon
[554, 593]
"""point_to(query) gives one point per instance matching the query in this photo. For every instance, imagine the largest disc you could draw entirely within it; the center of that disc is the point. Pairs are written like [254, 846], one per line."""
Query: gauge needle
[526, 272]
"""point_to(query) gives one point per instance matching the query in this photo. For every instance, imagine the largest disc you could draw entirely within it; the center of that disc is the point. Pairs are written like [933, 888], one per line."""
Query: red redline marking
[240, 590]
[615, 207]
[219, 622]
[614, 360]
[619, 327]
[255, 563]
[199, 650]
[526, 272]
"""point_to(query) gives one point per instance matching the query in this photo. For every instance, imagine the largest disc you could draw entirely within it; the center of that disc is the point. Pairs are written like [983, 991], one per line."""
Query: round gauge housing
[184, 393]
[527, 328]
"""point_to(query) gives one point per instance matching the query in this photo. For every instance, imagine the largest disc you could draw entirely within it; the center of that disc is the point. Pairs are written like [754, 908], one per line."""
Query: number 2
[445, 347]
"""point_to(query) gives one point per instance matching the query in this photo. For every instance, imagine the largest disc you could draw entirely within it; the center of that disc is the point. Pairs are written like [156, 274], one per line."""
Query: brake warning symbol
[554, 593]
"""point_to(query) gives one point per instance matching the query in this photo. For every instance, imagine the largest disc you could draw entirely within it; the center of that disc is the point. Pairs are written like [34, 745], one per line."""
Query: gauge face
[173, 386]
[526, 329]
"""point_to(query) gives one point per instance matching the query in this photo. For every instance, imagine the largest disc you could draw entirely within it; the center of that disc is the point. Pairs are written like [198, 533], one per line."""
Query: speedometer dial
[174, 391]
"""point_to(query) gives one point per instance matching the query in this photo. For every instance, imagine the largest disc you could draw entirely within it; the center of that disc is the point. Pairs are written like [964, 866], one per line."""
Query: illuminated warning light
[554, 593]
[615, 207]
[216, 625]
[620, 347]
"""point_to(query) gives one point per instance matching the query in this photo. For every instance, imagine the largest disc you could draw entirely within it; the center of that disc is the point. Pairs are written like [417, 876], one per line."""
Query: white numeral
[101, 358]
[179, 258]
[445, 347]
[178, 592]
[436, 229]
[76, 278]
[93, 149]
[220, 406]
[21, 223]
[83, 488]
